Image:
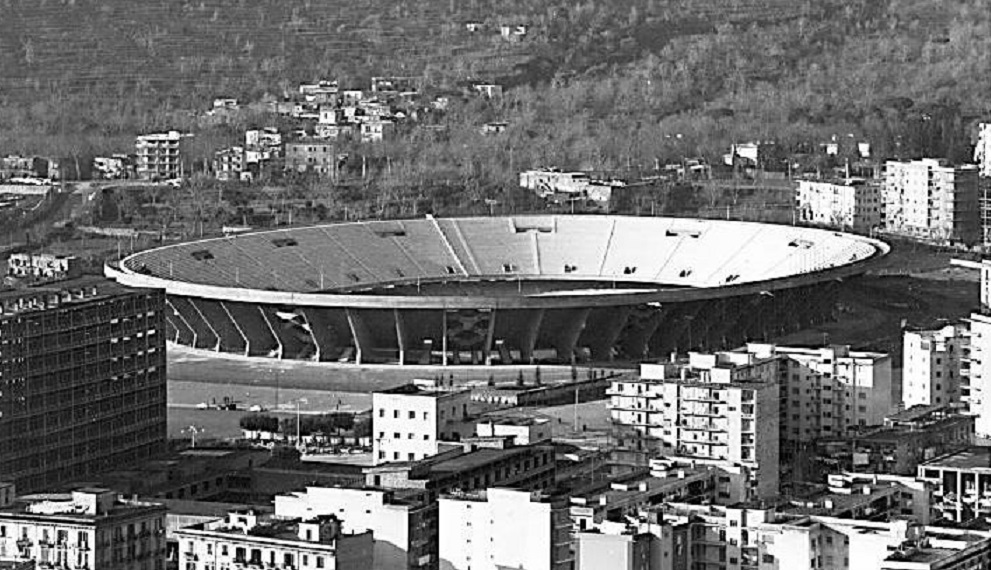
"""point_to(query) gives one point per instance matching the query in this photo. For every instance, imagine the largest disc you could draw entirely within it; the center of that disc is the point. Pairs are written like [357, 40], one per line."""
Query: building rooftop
[419, 390]
[972, 458]
[82, 505]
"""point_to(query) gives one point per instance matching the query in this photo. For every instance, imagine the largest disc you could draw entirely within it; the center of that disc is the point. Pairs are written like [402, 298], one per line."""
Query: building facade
[43, 266]
[982, 150]
[159, 156]
[403, 527]
[410, 422]
[825, 391]
[711, 408]
[245, 539]
[82, 381]
[851, 204]
[87, 529]
[930, 200]
[504, 528]
[932, 363]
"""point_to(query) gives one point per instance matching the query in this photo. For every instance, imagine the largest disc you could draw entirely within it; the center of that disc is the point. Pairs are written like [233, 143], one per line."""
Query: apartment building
[82, 381]
[86, 529]
[409, 422]
[316, 156]
[932, 362]
[930, 200]
[159, 155]
[825, 391]
[648, 541]
[500, 528]
[247, 539]
[982, 150]
[721, 407]
[43, 266]
[853, 204]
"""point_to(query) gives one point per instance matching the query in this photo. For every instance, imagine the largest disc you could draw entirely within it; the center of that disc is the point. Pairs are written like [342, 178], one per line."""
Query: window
[381, 412]
[412, 415]
[395, 414]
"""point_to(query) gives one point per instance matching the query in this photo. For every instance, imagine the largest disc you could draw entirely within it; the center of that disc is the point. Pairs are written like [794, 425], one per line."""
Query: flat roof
[414, 390]
[477, 458]
[104, 288]
[972, 458]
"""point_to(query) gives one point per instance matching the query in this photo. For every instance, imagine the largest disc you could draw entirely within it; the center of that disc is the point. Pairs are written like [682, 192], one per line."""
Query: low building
[982, 150]
[523, 429]
[45, 267]
[113, 167]
[866, 497]
[410, 422]
[84, 529]
[500, 528]
[649, 542]
[314, 156]
[229, 163]
[376, 130]
[962, 484]
[853, 204]
[906, 439]
[933, 362]
[244, 538]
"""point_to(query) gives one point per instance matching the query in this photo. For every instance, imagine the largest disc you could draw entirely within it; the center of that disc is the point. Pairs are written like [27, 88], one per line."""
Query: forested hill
[621, 75]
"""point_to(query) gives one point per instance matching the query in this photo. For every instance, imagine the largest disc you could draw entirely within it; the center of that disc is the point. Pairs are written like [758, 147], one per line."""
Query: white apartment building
[45, 266]
[88, 529]
[930, 200]
[403, 535]
[827, 390]
[244, 539]
[975, 386]
[931, 365]
[159, 156]
[409, 422]
[717, 407]
[982, 150]
[504, 528]
[853, 204]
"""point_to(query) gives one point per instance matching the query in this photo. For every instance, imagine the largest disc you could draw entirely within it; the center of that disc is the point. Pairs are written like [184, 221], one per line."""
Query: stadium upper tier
[352, 260]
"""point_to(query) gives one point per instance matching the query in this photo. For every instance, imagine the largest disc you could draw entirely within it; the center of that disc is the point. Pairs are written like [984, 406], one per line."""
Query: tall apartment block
[82, 381]
[933, 363]
[498, 528]
[930, 200]
[825, 391]
[87, 529]
[722, 408]
[159, 156]
[849, 204]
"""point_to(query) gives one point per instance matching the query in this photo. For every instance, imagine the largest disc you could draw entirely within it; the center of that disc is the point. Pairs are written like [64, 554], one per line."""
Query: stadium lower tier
[494, 336]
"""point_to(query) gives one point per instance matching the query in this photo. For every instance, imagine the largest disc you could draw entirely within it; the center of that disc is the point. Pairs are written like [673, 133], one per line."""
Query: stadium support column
[603, 329]
[566, 337]
[360, 334]
[490, 338]
[530, 332]
[401, 335]
[443, 338]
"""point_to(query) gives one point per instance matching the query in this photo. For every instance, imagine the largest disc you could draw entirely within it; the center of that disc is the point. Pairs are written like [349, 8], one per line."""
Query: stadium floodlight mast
[193, 431]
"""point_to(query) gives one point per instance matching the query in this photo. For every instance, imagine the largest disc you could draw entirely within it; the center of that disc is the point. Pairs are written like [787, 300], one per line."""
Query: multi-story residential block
[930, 200]
[376, 130]
[908, 438]
[647, 542]
[962, 484]
[43, 266]
[403, 525]
[229, 163]
[409, 422]
[246, 540]
[982, 150]
[975, 381]
[88, 529]
[314, 156]
[504, 528]
[853, 204]
[932, 362]
[716, 407]
[82, 380]
[825, 391]
[159, 156]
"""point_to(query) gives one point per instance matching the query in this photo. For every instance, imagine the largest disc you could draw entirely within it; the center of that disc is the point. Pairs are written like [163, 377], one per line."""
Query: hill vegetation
[617, 85]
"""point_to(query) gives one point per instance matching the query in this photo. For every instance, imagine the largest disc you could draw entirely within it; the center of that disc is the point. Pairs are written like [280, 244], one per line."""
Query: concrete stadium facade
[439, 291]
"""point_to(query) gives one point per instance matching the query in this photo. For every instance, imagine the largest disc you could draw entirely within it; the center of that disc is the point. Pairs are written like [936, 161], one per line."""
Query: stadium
[497, 290]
